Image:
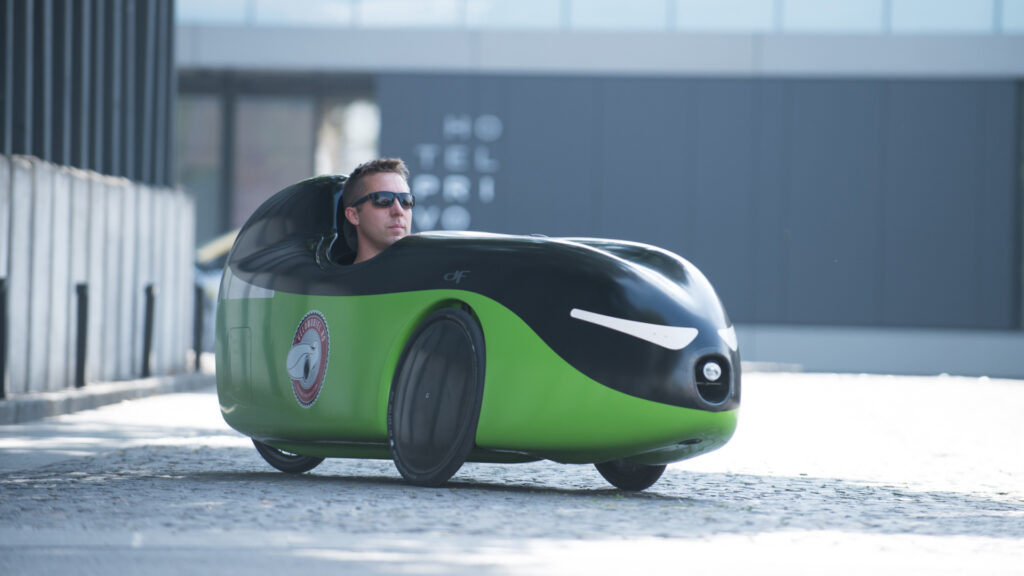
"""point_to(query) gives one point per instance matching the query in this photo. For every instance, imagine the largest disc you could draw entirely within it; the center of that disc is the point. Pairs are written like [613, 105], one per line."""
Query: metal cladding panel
[834, 201]
[79, 254]
[127, 332]
[179, 285]
[164, 312]
[185, 279]
[98, 200]
[19, 286]
[769, 239]
[944, 218]
[160, 241]
[144, 264]
[41, 287]
[113, 286]
[640, 201]
[58, 375]
[720, 207]
[865, 202]
[565, 193]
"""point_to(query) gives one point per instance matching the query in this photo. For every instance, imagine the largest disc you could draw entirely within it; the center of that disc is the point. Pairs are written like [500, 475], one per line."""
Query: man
[378, 205]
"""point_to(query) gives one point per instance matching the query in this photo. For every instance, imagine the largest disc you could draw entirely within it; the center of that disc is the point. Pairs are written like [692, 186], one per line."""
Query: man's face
[378, 228]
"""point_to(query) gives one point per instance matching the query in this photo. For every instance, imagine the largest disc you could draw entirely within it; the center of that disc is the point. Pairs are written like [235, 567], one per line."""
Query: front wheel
[286, 461]
[626, 475]
[435, 397]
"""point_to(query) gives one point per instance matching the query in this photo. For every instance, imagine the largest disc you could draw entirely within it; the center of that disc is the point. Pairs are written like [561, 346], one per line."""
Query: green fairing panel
[535, 404]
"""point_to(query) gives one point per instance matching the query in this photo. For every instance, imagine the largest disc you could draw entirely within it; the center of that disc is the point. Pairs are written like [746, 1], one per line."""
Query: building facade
[849, 177]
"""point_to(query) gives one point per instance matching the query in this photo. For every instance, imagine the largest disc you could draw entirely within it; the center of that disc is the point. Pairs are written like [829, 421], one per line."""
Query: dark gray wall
[840, 202]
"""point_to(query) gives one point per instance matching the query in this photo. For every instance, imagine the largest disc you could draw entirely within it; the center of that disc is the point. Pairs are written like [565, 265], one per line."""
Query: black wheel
[286, 461]
[435, 397]
[626, 475]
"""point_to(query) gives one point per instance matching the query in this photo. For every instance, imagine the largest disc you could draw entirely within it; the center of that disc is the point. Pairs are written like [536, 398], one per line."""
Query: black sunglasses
[385, 199]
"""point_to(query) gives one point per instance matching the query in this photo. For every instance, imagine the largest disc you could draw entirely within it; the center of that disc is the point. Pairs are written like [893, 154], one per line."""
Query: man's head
[379, 219]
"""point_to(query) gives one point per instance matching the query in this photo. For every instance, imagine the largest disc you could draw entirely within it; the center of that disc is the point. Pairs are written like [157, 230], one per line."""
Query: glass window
[273, 148]
[198, 149]
[206, 12]
[726, 15]
[410, 13]
[1013, 16]
[349, 135]
[833, 16]
[941, 16]
[306, 13]
[617, 15]
[525, 14]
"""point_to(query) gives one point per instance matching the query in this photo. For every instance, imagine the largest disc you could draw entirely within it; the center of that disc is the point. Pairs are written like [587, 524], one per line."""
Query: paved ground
[826, 474]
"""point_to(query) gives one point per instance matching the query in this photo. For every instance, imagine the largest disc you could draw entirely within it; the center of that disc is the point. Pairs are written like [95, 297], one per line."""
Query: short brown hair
[378, 166]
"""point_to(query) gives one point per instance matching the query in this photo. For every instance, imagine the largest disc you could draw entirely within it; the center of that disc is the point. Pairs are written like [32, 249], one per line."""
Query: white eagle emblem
[307, 360]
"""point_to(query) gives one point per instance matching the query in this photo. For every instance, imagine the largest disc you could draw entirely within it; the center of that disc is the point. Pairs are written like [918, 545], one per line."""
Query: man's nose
[396, 207]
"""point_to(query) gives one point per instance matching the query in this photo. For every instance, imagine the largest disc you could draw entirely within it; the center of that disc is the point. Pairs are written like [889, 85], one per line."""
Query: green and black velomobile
[454, 347]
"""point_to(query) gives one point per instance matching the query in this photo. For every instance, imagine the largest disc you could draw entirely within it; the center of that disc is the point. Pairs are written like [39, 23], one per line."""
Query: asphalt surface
[837, 474]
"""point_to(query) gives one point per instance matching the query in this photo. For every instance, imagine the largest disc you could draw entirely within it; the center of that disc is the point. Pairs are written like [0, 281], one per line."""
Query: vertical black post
[197, 324]
[3, 336]
[147, 335]
[82, 333]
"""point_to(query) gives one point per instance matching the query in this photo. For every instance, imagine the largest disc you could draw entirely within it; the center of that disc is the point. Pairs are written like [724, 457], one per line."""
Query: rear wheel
[435, 397]
[626, 475]
[286, 461]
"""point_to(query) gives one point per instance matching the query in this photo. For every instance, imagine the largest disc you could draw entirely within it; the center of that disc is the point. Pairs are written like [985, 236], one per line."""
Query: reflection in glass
[524, 14]
[410, 13]
[198, 142]
[726, 15]
[941, 16]
[206, 12]
[615, 15]
[863, 16]
[273, 148]
[306, 13]
[348, 135]
[1013, 16]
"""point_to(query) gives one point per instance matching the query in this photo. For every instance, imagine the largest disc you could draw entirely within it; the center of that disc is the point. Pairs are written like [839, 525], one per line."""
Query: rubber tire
[286, 461]
[628, 476]
[435, 397]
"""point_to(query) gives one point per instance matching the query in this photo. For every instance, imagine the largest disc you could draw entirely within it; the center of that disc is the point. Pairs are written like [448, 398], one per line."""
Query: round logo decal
[307, 360]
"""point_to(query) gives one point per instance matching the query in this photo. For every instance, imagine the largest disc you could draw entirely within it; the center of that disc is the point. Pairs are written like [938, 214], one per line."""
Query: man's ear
[352, 215]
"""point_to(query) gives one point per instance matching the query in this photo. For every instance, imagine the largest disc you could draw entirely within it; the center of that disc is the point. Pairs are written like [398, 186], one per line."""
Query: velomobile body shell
[593, 348]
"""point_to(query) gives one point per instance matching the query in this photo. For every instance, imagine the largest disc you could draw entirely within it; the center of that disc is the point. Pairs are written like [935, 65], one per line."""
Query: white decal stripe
[671, 337]
[729, 335]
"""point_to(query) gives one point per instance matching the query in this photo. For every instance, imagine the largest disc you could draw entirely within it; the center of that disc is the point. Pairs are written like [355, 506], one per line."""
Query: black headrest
[345, 248]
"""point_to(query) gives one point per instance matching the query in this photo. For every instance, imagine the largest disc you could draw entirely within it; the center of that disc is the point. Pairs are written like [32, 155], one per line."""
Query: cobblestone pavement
[839, 474]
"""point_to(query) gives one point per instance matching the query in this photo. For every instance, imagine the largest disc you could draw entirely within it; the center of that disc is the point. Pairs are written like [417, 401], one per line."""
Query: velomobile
[455, 347]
